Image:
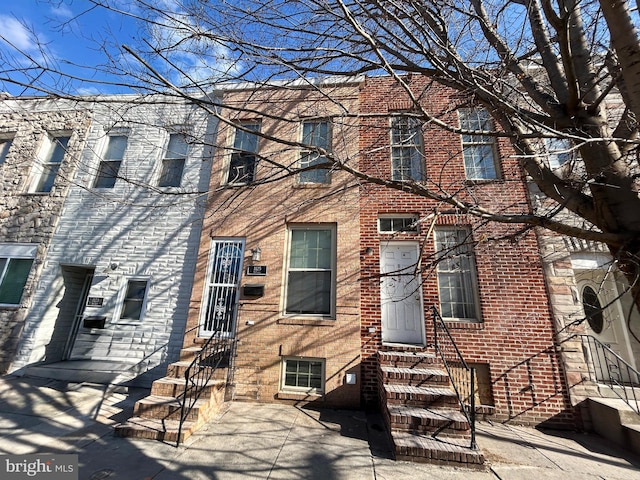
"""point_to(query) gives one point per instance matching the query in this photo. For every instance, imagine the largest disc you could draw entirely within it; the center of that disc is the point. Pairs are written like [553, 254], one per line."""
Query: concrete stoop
[613, 419]
[422, 412]
[157, 416]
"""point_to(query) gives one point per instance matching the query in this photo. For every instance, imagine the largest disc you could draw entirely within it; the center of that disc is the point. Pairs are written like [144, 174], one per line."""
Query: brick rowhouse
[512, 341]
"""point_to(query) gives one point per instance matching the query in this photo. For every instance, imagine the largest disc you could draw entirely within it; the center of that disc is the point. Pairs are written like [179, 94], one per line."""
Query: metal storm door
[401, 294]
[222, 287]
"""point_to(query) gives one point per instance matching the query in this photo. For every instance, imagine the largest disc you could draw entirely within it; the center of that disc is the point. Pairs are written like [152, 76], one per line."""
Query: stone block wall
[31, 218]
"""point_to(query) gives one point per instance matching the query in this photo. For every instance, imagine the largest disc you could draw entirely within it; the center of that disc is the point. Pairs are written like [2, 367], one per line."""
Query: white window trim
[473, 272]
[19, 251]
[163, 156]
[102, 148]
[304, 390]
[399, 216]
[304, 151]
[419, 146]
[491, 142]
[122, 291]
[231, 151]
[334, 254]
[39, 167]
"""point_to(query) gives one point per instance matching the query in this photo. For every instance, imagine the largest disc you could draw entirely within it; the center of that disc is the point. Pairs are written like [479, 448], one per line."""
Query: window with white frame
[304, 375]
[49, 160]
[173, 161]
[5, 145]
[406, 149]
[457, 281]
[15, 265]
[310, 271]
[242, 165]
[134, 299]
[559, 151]
[398, 223]
[111, 162]
[315, 134]
[479, 150]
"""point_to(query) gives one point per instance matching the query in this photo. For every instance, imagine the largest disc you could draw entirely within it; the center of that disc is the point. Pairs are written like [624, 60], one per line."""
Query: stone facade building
[111, 301]
[41, 141]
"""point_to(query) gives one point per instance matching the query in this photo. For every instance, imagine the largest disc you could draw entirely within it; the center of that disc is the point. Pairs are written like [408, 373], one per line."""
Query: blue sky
[64, 39]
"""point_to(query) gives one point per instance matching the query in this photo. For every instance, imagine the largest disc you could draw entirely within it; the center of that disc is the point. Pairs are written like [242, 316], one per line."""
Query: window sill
[315, 322]
[483, 181]
[312, 185]
[37, 194]
[299, 396]
[8, 306]
[464, 324]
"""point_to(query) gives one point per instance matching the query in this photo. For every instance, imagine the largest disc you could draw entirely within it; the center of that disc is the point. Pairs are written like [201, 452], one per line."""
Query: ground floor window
[303, 375]
[134, 299]
[15, 265]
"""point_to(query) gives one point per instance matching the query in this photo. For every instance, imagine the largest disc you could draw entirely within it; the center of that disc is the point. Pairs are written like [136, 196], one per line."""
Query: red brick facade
[514, 337]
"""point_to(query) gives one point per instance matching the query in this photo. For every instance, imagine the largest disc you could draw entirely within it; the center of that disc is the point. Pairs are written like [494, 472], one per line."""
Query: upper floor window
[457, 281]
[310, 271]
[173, 162]
[112, 159]
[315, 134]
[49, 161]
[559, 151]
[15, 265]
[479, 150]
[242, 166]
[5, 145]
[406, 149]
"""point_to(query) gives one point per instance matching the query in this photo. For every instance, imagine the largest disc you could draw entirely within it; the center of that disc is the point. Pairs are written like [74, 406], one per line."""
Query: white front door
[599, 296]
[220, 305]
[401, 294]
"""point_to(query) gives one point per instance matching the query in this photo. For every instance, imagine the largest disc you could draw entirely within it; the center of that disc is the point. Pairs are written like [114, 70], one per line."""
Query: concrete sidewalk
[270, 441]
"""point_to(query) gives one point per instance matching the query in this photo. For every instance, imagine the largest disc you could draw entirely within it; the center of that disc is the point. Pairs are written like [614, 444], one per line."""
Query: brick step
[428, 420]
[441, 450]
[178, 369]
[154, 429]
[414, 376]
[168, 408]
[174, 387]
[407, 359]
[420, 396]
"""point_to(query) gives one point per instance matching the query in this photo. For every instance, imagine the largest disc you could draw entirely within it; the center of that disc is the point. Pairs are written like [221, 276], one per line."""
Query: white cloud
[62, 11]
[17, 34]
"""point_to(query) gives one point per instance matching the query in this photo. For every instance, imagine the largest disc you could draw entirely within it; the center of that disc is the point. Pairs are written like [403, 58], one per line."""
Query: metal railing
[606, 367]
[461, 374]
[199, 373]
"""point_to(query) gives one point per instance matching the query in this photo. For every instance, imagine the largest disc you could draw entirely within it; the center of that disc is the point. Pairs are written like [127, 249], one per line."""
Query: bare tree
[556, 76]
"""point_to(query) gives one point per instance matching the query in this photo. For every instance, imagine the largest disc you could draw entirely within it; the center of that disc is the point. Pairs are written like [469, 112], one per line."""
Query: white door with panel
[401, 294]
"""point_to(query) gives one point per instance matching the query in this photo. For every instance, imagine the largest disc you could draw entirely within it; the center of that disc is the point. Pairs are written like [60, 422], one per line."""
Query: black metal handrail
[199, 373]
[608, 368]
[463, 379]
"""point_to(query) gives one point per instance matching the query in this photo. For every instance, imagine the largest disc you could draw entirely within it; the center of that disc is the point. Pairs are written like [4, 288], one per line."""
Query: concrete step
[615, 420]
[154, 429]
[394, 358]
[420, 396]
[428, 420]
[414, 376]
[440, 450]
[79, 371]
[174, 387]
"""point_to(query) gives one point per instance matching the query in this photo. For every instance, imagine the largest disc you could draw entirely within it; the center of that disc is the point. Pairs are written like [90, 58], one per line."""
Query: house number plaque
[95, 301]
[256, 270]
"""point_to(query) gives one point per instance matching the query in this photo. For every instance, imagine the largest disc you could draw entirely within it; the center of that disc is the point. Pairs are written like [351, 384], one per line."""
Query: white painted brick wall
[145, 232]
